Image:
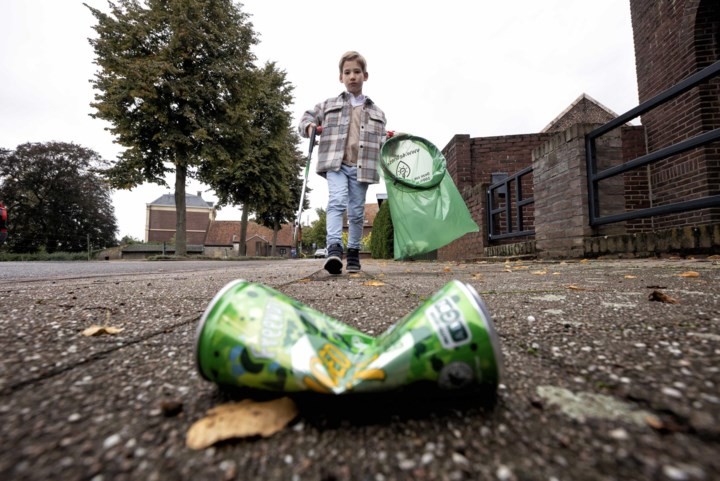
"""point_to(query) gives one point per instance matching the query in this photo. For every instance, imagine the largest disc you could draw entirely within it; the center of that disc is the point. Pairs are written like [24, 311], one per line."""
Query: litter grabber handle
[315, 131]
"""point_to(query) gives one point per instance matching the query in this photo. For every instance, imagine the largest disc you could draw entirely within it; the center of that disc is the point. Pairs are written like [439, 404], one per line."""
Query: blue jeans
[345, 192]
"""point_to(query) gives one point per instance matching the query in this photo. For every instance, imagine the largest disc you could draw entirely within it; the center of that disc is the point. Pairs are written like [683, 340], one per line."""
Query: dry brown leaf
[508, 270]
[576, 288]
[539, 273]
[689, 274]
[242, 419]
[662, 297]
[584, 261]
[477, 275]
[630, 277]
[95, 330]
[556, 273]
[304, 279]
[374, 283]
[522, 267]
[654, 422]
[447, 269]
[714, 258]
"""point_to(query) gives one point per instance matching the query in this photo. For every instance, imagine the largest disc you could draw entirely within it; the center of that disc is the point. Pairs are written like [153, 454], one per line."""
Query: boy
[353, 130]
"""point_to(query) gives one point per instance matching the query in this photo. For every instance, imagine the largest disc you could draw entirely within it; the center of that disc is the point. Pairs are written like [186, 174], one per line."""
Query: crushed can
[254, 336]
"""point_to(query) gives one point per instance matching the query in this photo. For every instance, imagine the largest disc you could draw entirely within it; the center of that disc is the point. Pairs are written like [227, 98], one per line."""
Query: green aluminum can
[254, 336]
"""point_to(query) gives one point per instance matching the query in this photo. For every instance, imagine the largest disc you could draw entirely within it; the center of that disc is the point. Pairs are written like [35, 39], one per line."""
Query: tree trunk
[276, 228]
[180, 217]
[243, 230]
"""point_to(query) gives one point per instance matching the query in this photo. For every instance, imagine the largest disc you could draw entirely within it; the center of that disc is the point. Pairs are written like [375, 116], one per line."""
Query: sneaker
[353, 260]
[333, 260]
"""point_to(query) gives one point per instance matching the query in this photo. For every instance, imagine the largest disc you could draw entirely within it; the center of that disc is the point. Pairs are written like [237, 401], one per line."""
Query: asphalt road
[602, 380]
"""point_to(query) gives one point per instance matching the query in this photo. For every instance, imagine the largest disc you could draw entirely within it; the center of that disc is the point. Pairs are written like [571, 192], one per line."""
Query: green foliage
[55, 199]
[176, 82]
[381, 245]
[317, 232]
[129, 240]
[266, 182]
[43, 255]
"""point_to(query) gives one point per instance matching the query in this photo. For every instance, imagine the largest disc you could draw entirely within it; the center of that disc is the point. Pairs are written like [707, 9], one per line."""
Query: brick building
[160, 218]
[475, 163]
[223, 239]
[673, 40]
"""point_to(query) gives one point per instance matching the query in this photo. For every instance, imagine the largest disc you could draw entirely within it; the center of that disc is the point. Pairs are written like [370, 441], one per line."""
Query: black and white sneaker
[333, 260]
[353, 260]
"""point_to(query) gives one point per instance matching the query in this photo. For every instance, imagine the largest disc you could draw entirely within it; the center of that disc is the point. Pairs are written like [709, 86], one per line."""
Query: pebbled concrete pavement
[601, 383]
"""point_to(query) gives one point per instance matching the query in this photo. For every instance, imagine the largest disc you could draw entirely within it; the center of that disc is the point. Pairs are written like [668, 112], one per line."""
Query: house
[223, 239]
[160, 219]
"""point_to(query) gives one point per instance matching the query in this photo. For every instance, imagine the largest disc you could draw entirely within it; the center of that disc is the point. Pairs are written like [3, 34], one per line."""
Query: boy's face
[353, 76]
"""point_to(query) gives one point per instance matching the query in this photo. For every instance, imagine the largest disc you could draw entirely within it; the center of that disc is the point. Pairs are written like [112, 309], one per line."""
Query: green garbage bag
[427, 210]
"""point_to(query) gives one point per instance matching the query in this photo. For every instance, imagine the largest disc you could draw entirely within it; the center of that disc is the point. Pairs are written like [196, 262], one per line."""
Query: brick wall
[471, 163]
[161, 225]
[673, 40]
[637, 187]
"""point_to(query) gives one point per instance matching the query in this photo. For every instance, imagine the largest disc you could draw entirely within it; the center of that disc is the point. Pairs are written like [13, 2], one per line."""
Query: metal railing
[594, 177]
[518, 202]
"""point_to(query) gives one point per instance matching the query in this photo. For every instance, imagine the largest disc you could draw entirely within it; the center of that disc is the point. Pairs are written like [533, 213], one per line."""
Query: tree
[382, 239]
[174, 81]
[56, 197]
[317, 232]
[262, 174]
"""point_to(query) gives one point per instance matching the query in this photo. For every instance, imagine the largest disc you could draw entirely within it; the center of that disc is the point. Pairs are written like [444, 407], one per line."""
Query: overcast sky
[437, 69]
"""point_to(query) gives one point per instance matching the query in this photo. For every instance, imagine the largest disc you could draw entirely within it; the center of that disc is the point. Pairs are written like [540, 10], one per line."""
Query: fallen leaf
[576, 288]
[374, 283]
[242, 419]
[556, 273]
[447, 269]
[540, 273]
[689, 274]
[714, 258]
[584, 261]
[95, 330]
[654, 422]
[477, 275]
[630, 277]
[662, 297]
[522, 267]
[304, 279]
[508, 270]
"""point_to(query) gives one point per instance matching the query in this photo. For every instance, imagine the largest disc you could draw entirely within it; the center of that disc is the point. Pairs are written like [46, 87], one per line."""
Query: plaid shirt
[334, 117]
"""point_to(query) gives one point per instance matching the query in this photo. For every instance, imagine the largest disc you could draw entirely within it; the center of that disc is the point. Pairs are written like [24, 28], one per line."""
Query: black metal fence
[594, 177]
[506, 218]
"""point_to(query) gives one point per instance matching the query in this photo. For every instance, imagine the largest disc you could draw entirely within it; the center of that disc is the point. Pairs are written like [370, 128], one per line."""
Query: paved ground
[600, 383]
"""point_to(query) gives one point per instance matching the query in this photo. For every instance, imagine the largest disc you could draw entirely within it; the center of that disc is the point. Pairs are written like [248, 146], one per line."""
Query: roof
[221, 232]
[190, 201]
[584, 110]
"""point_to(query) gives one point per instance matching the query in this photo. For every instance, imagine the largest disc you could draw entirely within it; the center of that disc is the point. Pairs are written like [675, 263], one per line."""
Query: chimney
[199, 194]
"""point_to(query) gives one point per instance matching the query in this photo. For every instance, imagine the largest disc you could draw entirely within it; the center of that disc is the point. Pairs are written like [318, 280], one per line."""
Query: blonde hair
[353, 55]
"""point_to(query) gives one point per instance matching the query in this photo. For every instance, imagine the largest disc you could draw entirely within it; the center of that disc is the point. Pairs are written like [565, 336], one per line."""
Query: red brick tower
[673, 40]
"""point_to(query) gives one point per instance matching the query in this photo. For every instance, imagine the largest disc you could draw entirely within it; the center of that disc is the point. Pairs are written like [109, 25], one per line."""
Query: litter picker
[318, 131]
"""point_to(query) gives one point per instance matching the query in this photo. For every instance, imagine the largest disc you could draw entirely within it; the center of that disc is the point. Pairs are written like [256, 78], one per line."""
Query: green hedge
[381, 243]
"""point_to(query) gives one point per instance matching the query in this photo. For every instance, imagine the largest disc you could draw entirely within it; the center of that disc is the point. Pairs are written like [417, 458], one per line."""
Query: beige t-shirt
[353, 140]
